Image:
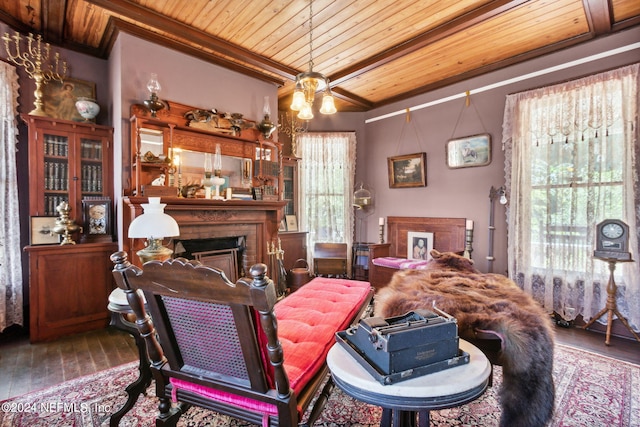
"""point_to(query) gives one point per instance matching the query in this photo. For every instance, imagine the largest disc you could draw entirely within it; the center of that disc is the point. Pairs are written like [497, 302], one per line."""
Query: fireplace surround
[255, 220]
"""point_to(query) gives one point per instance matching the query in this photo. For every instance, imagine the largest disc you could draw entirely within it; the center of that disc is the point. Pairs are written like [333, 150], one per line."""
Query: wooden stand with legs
[611, 308]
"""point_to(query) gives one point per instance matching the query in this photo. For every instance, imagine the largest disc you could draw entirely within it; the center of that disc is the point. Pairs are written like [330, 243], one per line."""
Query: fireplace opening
[224, 253]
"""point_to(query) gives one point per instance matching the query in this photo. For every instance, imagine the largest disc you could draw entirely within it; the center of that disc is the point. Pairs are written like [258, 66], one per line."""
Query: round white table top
[446, 388]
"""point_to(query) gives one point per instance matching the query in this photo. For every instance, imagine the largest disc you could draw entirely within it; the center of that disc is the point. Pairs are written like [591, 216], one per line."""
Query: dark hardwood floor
[26, 367]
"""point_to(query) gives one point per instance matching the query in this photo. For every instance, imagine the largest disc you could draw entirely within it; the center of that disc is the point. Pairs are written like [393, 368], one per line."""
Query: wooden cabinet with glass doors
[68, 161]
[68, 284]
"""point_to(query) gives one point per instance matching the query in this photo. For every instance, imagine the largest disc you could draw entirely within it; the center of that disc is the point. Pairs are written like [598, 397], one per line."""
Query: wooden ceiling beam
[359, 102]
[461, 23]
[115, 25]
[151, 18]
[599, 15]
[53, 18]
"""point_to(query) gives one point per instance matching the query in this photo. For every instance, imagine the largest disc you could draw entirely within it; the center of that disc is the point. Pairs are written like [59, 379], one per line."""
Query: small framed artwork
[469, 151]
[97, 218]
[292, 222]
[283, 225]
[42, 230]
[59, 98]
[419, 245]
[409, 170]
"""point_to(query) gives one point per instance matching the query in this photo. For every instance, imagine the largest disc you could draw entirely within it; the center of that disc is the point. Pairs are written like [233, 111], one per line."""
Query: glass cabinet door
[91, 172]
[56, 172]
[290, 184]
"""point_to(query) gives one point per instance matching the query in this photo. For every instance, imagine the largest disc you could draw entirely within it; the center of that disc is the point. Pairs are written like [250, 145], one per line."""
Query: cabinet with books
[68, 161]
[290, 184]
[72, 162]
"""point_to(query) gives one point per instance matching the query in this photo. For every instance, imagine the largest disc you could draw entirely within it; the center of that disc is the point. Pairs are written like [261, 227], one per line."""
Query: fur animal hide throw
[489, 303]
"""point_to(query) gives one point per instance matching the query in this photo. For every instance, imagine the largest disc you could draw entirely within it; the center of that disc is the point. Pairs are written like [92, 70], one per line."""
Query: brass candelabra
[35, 61]
[291, 127]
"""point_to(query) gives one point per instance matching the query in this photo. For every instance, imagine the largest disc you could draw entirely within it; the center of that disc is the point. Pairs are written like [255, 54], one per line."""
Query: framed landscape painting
[409, 170]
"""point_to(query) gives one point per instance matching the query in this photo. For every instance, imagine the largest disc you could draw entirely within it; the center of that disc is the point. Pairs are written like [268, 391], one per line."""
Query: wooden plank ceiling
[374, 52]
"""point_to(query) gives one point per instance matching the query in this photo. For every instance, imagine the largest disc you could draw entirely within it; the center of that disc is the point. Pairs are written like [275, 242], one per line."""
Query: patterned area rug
[591, 391]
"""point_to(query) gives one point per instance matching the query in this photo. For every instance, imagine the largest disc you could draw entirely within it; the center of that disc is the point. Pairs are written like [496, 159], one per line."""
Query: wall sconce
[266, 126]
[154, 104]
[153, 225]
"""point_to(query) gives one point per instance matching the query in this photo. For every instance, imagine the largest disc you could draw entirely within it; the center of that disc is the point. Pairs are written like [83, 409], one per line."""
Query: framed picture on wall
[59, 98]
[409, 170]
[469, 151]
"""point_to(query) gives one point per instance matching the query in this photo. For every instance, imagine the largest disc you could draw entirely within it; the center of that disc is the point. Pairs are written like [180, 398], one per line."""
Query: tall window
[572, 160]
[327, 173]
[10, 264]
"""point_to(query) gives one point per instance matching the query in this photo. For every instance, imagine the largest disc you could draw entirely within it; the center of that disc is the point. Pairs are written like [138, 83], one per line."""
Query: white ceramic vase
[88, 108]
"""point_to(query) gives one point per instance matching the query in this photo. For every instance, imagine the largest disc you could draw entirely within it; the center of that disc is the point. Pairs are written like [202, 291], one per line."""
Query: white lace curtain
[326, 177]
[10, 266]
[571, 160]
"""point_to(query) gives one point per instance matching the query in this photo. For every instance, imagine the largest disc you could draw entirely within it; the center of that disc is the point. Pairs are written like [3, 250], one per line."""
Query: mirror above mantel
[168, 152]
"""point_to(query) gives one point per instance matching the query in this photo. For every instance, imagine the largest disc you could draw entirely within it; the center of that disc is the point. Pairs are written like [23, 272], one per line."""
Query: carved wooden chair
[330, 259]
[217, 344]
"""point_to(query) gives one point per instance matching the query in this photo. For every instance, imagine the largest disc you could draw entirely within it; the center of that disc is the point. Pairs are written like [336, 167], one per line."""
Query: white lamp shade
[328, 105]
[298, 100]
[153, 223]
[306, 113]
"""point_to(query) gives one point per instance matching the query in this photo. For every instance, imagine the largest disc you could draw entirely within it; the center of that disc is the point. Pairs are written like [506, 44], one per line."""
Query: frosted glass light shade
[298, 100]
[306, 113]
[153, 223]
[328, 105]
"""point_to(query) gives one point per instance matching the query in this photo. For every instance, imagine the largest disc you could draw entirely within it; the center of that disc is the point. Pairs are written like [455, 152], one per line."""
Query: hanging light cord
[310, 35]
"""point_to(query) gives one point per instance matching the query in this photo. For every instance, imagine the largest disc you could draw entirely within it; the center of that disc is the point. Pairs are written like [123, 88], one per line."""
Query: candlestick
[468, 248]
[381, 235]
[35, 61]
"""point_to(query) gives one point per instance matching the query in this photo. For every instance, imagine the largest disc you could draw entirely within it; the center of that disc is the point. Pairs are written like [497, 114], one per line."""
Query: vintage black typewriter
[399, 348]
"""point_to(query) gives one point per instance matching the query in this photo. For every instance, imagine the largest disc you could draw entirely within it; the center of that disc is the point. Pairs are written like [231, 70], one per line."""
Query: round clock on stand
[612, 246]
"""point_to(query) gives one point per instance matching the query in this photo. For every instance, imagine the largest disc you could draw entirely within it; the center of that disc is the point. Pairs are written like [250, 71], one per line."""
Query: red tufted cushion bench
[307, 322]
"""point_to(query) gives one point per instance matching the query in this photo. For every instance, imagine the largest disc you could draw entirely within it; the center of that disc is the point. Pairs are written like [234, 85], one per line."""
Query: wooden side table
[612, 307]
[409, 401]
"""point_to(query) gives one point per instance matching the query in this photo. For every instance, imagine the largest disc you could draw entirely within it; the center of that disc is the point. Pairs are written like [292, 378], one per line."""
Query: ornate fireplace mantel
[257, 220]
